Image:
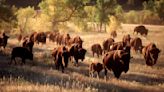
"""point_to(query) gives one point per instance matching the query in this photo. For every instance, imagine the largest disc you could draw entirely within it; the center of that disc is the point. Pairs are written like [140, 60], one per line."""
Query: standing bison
[95, 67]
[141, 30]
[96, 48]
[136, 44]
[126, 39]
[61, 56]
[77, 52]
[117, 61]
[107, 43]
[150, 53]
[22, 53]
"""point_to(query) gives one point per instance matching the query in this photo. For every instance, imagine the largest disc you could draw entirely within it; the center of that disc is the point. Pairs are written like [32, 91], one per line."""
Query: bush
[142, 17]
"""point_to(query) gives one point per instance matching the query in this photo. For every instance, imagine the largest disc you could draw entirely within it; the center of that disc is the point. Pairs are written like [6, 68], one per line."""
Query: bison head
[154, 54]
[81, 53]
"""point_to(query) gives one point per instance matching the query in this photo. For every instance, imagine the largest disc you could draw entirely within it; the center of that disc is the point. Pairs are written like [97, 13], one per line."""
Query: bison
[106, 44]
[40, 38]
[3, 40]
[95, 67]
[136, 44]
[118, 46]
[61, 55]
[22, 53]
[126, 39]
[141, 29]
[96, 48]
[117, 61]
[77, 52]
[150, 53]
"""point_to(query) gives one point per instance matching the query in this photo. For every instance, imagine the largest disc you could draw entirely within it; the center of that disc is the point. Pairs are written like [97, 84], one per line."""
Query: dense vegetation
[86, 15]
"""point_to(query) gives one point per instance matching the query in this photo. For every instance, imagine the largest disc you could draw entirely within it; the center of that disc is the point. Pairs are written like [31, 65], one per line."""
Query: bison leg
[62, 67]
[93, 54]
[117, 74]
[23, 61]
[105, 71]
[98, 75]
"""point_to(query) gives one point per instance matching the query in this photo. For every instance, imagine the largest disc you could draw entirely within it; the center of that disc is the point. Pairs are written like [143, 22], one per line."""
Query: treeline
[87, 15]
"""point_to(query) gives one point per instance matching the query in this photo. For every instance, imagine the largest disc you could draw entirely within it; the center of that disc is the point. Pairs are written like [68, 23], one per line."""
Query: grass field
[40, 74]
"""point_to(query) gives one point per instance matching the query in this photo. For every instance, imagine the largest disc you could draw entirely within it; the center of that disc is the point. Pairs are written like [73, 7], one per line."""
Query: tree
[104, 9]
[7, 16]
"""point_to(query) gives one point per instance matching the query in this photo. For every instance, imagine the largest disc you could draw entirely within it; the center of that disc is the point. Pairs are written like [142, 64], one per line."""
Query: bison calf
[22, 53]
[96, 48]
[95, 67]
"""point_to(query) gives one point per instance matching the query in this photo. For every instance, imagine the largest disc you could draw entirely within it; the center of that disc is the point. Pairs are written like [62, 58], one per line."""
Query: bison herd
[116, 55]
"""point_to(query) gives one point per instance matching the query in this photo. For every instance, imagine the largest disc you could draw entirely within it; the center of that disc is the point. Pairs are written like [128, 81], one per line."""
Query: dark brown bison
[61, 57]
[136, 44]
[126, 39]
[3, 40]
[40, 38]
[151, 53]
[96, 48]
[28, 44]
[107, 43]
[22, 53]
[141, 30]
[95, 67]
[113, 34]
[77, 52]
[117, 61]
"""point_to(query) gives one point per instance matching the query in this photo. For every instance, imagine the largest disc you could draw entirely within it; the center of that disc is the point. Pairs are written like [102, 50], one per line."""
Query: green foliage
[156, 6]
[159, 8]
[7, 17]
[149, 5]
[142, 17]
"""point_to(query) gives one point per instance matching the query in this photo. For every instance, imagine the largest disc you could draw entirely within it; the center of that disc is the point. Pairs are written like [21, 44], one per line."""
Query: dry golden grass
[40, 75]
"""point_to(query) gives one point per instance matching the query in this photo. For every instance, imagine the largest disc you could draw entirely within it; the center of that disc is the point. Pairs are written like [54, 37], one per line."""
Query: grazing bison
[150, 53]
[107, 43]
[96, 48]
[113, 34]
[141, 29]
[40, 38]
[95, 67]
[126, 39]
[136, 44]
[3, 40]
[61, 56]
[22, 53]
[117, 61]
[77, 52]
